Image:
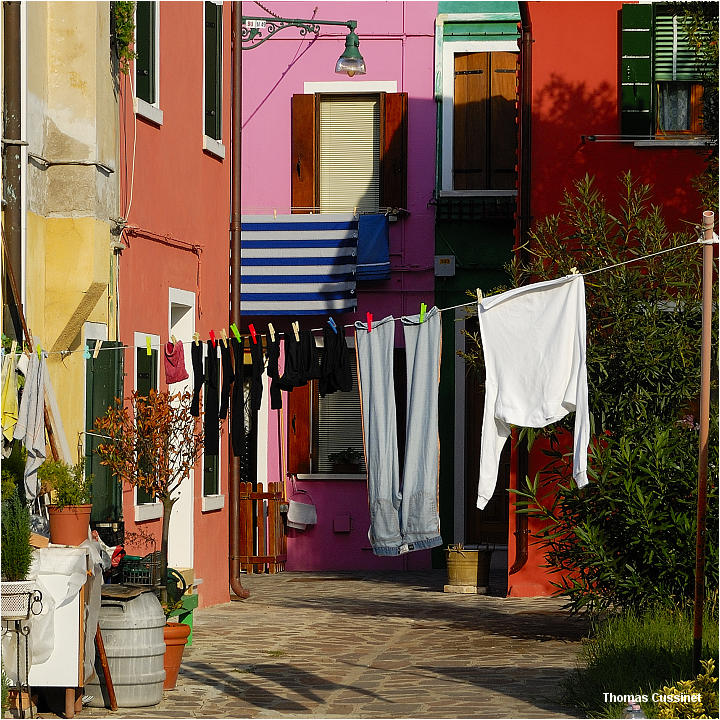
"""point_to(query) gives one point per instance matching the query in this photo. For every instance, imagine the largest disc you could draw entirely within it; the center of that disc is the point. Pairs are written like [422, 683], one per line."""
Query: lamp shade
[351, 62]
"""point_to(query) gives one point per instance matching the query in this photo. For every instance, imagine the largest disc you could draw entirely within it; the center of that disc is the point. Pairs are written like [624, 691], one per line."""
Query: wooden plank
[105, 669]
[271, 526]
[470, 127]
[260, 525]
[393, 164]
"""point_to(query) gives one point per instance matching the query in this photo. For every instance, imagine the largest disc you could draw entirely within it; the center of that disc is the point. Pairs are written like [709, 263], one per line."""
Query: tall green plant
[628, 538]
[123, 20]
[16, 555]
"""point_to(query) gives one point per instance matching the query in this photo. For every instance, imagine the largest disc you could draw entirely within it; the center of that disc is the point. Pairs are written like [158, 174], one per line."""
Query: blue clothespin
[332, 324]
[86, 353]
[423, 308]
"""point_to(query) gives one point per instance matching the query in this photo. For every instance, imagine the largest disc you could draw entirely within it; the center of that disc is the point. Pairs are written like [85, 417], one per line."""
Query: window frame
[150, 110]
[151, 510]
[213, 145]
[447, 113]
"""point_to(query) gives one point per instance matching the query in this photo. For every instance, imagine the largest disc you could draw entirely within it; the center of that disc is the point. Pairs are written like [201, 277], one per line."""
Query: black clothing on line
[258, 367]
[196, 353]
[237, 406]
[211, 423]
[335, 369]
[227, 379]
[273, 357]
[302, 360]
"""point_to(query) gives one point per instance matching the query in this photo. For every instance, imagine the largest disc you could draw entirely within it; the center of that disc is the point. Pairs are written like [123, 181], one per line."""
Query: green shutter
[145, 49]
[673, 55]
[103, 384]
[213, 69]
[636, 75]
[146, 374]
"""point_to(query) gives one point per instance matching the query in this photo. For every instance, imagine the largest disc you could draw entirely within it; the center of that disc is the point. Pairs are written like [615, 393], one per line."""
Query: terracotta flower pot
[69, 525]
[176, 635]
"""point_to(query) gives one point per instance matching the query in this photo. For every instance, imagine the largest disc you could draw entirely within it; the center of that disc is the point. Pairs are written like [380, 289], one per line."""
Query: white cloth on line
[30, 428]
[534, 343]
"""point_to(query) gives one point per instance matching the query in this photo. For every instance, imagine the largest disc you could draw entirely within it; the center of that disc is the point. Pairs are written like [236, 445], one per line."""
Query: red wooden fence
[262, 538]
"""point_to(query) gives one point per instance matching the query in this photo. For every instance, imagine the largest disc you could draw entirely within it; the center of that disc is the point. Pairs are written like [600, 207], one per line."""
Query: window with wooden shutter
[145, 47]
[636, 76]
[213, 70]
[323, 171]
[484, 127]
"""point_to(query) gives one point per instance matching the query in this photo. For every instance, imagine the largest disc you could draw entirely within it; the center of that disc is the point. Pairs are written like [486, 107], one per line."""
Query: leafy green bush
[68, 482]
[626, 539]
[634, 655]
[704, 687]
[123, 19]
[16, 555]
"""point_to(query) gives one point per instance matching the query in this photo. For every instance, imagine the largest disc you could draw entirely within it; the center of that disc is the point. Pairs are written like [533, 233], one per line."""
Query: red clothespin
[212, 337]
[253, 333]
[369, 321]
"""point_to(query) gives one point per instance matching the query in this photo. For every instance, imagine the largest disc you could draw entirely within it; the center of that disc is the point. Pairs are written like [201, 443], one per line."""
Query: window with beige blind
[484, 121]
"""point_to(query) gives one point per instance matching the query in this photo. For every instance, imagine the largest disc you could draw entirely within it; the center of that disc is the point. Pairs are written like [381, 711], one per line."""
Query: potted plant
[153, 442]
[69, 513]
[346, 461]
[16, 558]
[468, 570]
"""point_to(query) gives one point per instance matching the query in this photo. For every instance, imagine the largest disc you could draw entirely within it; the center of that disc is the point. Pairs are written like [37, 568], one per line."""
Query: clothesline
[452, 307]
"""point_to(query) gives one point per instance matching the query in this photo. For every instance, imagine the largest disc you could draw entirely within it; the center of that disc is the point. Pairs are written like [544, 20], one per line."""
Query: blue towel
[373, 250]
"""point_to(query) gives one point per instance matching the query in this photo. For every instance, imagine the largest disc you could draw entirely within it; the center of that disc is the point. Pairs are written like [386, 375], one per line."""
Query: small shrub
[704, 686]
[69, 483]
[16, 551]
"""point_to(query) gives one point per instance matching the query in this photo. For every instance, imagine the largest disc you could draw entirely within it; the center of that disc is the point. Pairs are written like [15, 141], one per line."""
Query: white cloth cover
[533, 340]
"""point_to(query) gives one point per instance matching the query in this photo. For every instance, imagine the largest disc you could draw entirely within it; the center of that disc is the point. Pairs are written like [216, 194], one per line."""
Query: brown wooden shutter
[393, 145]
[503, 120]
[302, 149]
[298, 430]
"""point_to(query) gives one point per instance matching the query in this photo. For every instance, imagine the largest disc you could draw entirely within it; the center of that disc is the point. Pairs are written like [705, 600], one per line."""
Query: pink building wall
[397, 42]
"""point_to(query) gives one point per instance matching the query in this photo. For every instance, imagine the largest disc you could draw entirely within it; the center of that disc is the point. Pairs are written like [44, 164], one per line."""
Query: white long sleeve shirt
[533, 340]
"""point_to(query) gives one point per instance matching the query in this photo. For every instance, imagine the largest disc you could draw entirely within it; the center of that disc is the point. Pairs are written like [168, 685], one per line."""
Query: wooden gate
[262, 537]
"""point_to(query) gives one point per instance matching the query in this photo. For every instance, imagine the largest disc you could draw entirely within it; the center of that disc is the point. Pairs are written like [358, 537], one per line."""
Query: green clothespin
[39, 351]
[236, 332]
[147, 344]
[423, 308]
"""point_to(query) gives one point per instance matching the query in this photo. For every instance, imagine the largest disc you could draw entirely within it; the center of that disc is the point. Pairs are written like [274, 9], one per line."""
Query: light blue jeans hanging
[402, 517]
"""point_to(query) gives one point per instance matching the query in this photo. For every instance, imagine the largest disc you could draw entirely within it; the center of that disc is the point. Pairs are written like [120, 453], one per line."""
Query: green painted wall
[478, 7]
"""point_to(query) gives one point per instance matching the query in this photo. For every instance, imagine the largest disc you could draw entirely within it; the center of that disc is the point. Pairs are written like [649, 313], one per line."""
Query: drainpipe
[11, 145]
[521, 236]
[235, 215]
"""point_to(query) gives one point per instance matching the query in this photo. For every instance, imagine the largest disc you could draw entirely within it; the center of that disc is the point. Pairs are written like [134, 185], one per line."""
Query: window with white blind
[339, 428]
[349, 152]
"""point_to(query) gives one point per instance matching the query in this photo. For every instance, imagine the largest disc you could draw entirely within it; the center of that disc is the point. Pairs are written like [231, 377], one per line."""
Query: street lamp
[247, 33]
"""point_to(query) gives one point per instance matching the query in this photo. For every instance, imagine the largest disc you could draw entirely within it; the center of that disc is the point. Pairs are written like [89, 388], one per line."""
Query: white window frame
[447, 114]
[153, 510]
[209, 144]
[217, 500]
[150, 111]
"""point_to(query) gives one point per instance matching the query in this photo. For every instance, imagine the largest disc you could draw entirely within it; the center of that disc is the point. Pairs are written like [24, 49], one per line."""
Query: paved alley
[371, 645]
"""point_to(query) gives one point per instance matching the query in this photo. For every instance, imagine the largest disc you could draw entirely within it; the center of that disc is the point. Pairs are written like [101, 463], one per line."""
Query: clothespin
[147, 345]
[423, 308]
[332, 324]
[271, 330]
[39, 351]
[223, 337]
[235, 332]
[355, 212]
[479, 294]
[274, 214]
[574, 271]
[296, 330]
[196, 338]
[212, 337]
[98, 345]
[86, 352]
[251, 327]
[173, 340]
[369, 321]
[13, 347]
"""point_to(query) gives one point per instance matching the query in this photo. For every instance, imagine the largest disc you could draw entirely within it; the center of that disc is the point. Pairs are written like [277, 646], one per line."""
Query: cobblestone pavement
[371, 645]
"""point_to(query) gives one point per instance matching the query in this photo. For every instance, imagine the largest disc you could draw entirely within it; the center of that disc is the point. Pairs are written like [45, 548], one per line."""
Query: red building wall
[575, 93]
[180, 199]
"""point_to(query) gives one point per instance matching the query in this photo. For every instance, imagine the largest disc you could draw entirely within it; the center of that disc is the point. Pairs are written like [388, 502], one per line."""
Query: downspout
[521, 237]
[11, 141]
[235, 217]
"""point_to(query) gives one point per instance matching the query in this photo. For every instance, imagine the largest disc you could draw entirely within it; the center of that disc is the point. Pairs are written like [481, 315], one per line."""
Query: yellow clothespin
[39, 351]
[296, 328]
[355, 212]
[479, 294]
[423, 308]
[574, 271]
[196, 338]
[173, 340]
[13, 347]
[148, 345]
[223, 336]
[98, 345]
[271, 330]
[274, 214]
